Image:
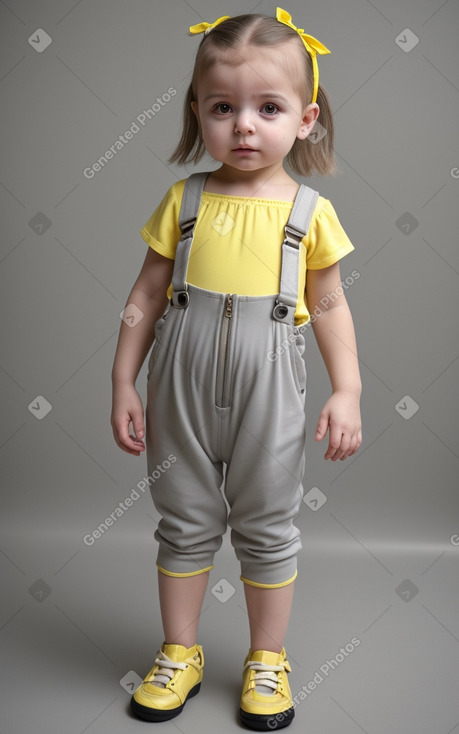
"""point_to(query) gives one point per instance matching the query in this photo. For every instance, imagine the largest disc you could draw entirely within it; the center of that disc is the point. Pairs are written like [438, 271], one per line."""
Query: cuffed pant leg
[193, 513]
[179, 423]
[264, 492]
[265, 444]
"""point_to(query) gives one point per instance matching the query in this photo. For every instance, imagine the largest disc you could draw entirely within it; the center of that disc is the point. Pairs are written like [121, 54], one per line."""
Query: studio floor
[373, 640]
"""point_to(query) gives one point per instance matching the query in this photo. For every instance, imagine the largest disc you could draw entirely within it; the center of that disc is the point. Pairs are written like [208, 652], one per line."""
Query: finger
[137, 425]
[354, 445]
[346, 441]
[334, 444]
[137, 441]
[322, 426]
[127, 442]
[358, 443]
[125, 448]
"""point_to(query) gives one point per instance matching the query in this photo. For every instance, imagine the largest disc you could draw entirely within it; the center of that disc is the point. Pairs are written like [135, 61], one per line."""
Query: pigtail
[191, 145]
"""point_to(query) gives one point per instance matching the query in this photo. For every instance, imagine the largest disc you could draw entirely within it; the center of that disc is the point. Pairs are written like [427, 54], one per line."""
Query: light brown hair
[305, 157]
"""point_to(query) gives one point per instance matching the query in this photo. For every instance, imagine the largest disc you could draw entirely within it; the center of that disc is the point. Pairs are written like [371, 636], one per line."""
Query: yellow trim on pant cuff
[269, 586]
[183, 575]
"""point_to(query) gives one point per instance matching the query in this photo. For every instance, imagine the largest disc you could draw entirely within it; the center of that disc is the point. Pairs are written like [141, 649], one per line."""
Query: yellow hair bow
[206, 27]
[313, 46]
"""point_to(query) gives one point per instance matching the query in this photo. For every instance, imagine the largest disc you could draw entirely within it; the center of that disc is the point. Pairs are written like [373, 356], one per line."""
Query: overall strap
[188, 213]
[295, 229]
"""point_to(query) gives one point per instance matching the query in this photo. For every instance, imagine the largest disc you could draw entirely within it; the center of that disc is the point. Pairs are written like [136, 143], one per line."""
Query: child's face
[251, 114]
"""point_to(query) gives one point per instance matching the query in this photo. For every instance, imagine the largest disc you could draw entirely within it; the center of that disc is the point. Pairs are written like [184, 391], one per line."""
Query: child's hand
[341, 413]
[127, 406]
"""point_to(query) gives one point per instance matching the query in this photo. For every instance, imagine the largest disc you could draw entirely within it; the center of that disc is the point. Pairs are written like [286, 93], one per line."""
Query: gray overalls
[226, 386]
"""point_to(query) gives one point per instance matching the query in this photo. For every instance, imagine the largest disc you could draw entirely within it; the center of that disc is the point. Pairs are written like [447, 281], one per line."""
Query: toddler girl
[238, 260]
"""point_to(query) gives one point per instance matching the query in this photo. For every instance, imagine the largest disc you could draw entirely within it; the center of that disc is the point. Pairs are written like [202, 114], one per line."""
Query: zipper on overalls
[223, 352]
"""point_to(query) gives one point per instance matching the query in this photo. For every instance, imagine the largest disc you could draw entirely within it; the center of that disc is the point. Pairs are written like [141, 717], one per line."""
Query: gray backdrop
[80, 623]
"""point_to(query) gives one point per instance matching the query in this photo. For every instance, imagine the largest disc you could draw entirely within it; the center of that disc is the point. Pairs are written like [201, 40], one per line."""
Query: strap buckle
[293, 236]
[187, 226]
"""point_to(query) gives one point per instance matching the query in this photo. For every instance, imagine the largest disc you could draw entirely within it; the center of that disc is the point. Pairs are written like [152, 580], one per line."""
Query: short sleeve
[326, 241]
[162, 231]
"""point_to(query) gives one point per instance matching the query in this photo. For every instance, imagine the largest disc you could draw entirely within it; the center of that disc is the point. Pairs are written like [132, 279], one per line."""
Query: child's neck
[259, 184]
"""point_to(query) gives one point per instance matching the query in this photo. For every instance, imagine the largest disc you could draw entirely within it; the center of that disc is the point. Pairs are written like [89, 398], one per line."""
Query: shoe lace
[167, 668]
[266, 675]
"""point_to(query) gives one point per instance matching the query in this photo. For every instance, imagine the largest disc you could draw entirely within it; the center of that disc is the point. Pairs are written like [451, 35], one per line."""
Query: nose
[244, 124]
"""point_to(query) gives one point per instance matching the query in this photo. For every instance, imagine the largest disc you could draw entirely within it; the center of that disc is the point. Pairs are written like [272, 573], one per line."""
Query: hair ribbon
[207, 27]
[312, 45]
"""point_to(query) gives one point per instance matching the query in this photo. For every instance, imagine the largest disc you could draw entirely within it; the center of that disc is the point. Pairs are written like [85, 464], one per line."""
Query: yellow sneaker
[266, 701]
[175, 677]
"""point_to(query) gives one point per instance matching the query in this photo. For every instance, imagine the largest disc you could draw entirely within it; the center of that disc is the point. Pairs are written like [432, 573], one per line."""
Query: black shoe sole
[149, 714]
[268, 722]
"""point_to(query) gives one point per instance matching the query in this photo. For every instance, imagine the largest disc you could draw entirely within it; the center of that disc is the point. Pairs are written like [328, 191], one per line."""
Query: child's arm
[149, 295]
[334, 332]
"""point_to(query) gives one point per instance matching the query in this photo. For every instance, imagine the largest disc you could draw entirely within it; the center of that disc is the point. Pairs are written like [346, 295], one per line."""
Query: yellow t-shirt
[237, 244]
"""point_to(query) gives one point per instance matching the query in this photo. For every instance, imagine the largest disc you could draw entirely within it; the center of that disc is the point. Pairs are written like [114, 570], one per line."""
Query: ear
[309, 117]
